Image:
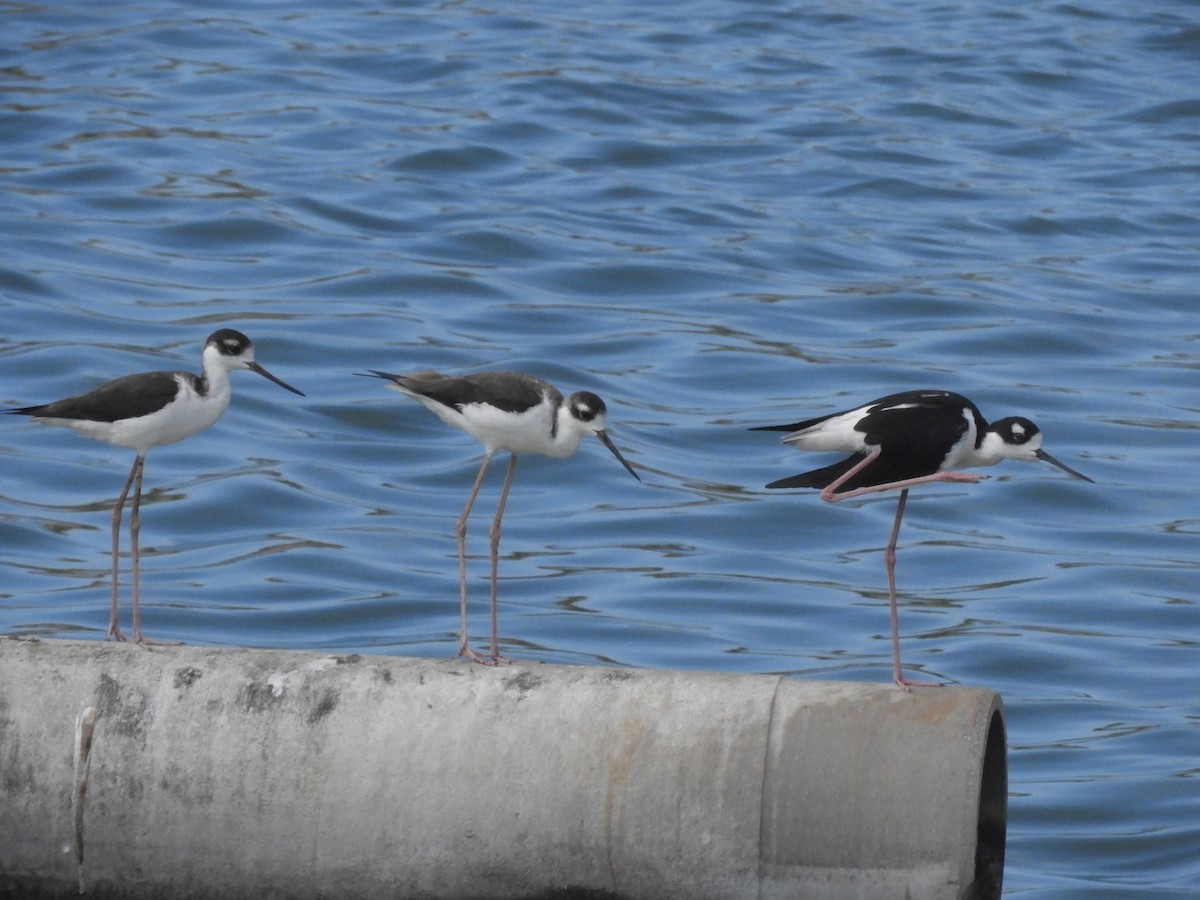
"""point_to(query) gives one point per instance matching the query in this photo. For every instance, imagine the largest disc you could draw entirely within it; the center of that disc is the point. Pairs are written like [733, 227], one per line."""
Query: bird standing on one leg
[503, 411]
[901, 441]
[147, 410]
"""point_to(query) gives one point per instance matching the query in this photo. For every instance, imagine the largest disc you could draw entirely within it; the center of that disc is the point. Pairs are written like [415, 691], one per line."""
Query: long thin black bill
[607, 442]
[1043, 455]
[255, 367]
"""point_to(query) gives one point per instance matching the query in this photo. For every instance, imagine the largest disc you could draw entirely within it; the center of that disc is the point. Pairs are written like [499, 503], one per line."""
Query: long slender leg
[831, 494]
[494, 536]
[114, 626]
[889, 558]
[135, 527]
[461, 531]
[135, 554]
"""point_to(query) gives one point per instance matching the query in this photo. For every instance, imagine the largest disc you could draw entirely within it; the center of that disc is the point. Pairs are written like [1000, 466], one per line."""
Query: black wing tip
[795, 426]
[793, 481]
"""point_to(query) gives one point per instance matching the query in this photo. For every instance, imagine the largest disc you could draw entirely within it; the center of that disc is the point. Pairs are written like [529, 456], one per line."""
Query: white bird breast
[527, 432]
[189, 414]
[832, 435]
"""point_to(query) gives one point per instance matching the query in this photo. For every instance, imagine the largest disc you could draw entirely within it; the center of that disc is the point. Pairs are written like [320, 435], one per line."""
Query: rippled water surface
[748, 214]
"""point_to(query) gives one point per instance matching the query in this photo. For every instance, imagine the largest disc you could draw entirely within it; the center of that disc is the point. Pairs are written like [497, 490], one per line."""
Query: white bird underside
[913, 434]
[842, 433]
[189, 414]
[530, 431]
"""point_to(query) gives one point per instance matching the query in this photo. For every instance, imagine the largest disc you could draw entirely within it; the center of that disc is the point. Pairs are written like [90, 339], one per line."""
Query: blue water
[738, 214]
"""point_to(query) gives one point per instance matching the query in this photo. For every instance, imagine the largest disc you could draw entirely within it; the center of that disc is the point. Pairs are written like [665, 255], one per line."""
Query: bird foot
[468, 653]
[963, 477]
[151, 642]
[115, 634]
[489, 659]
[906, 684]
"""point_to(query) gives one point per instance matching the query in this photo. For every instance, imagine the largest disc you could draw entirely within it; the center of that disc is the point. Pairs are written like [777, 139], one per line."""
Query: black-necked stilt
[503, 411]
[149, 410]
[903, 440]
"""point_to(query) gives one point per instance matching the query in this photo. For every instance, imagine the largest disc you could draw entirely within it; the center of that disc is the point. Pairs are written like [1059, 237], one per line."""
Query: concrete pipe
[214, 773]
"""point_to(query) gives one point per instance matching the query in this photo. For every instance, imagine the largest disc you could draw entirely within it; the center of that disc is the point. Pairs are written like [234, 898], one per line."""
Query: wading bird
[151, 409]
[503, 411]
[901, 441]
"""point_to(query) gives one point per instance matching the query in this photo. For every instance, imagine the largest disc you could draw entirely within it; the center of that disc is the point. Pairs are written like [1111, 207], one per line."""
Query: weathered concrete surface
[267, 774]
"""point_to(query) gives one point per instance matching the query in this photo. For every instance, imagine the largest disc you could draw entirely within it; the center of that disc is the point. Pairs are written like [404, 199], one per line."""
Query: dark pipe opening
[993, 814]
